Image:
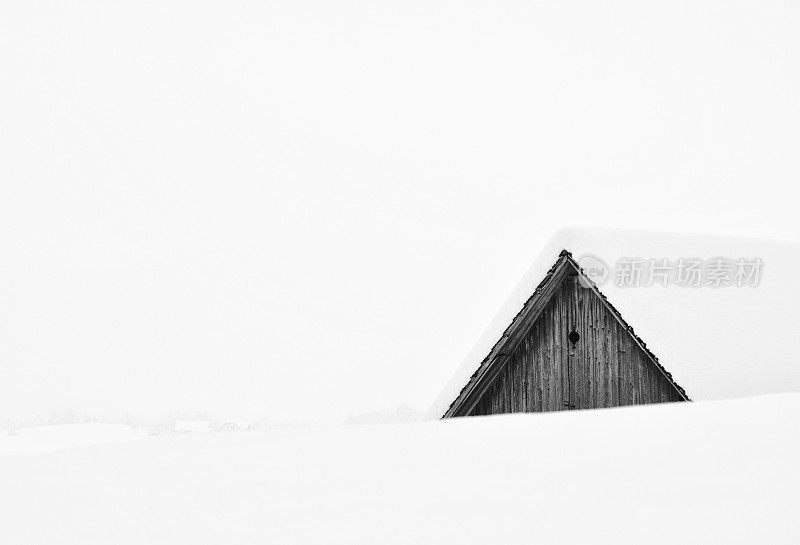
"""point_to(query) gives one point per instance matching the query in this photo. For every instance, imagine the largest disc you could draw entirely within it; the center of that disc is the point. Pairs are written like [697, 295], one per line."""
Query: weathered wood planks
[605, 367]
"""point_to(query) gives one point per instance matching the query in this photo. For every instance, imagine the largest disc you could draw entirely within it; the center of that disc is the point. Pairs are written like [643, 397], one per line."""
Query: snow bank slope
[717, 342]
[708, 472]
[48, 438]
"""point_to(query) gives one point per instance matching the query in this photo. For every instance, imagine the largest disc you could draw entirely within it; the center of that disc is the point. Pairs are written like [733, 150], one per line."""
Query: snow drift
[707, 472]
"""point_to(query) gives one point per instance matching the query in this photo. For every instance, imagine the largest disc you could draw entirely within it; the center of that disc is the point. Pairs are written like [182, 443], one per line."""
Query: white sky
[299, 210]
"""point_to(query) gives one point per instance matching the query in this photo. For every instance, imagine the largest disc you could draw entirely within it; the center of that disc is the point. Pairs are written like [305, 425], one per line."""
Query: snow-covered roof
[234, 422]
[717, 341]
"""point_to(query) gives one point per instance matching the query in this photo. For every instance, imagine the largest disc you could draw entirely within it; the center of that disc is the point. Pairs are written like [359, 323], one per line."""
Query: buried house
[708, 306]
[568, 348]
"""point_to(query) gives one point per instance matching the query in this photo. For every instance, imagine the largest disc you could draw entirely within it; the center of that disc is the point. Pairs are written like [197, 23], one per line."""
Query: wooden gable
[568, 348]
